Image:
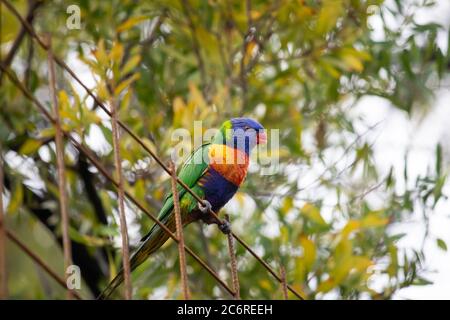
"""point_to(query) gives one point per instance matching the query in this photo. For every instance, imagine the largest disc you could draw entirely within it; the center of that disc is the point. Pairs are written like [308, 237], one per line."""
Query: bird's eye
[246, 128]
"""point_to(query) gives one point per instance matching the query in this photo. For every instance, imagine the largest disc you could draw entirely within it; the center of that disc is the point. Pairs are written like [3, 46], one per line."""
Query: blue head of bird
[242, 134]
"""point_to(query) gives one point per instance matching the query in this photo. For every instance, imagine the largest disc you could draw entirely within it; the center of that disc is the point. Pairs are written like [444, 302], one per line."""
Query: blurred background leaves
[298, 66]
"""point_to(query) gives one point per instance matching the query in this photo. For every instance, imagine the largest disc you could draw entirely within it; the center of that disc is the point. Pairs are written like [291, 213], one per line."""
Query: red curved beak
[261, 138]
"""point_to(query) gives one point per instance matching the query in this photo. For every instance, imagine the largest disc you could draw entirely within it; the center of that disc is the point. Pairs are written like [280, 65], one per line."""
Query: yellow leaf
[63, 99]
[65, 114]
[328, 15]
[351, 226]
[125, 102]
[300, 269]
[353, 59]
[265, 284]
[131, 64]
[361, 55]
[249, 51]
[196, 96]
[374, 220]
[287, 204]
[47, 132]
[255, 14]
[139, 189]
[126, 83]
[393, 265]
[309, 252]
[360, 264]
[130, 23]
[343, 250]
[116, 53]
[9, 25]
[178, 110]
[304, 12]
[100, 53]
[352, 63]
[30, 146]
[343, 260]
[326, 285]
[102, 91]
[16, 198]
[91, 117]
[284, 232]
[313, 213]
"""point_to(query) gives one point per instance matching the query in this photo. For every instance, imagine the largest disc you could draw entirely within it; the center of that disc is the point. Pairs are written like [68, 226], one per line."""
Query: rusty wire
[61, 168]
[284, 283]
[179, 231]
[121, 200]
[60, 62]
[233, 263]
[3, 275]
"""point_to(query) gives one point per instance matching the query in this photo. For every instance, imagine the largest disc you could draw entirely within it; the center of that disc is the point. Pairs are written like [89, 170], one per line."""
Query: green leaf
[438, 159]
[441, 244]
[419, 281]
[86, 239]
[437, 190]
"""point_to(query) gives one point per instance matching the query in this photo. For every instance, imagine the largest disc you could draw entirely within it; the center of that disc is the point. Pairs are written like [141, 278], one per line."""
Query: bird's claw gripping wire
[204, 206]
[225, 227]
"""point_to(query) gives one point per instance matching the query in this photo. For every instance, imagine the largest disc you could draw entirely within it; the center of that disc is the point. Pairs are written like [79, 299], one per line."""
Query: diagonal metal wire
[108, 176]
[233, 263]
[121, 200]
[61, 168]
[59, 61]
[3, 275]
[283, 283]
[180, 235]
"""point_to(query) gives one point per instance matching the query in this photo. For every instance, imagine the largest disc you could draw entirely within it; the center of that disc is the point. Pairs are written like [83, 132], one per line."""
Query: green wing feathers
[191, 171]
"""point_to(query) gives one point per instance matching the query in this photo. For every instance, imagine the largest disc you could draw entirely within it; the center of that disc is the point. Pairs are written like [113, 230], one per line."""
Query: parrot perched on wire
[214, 172]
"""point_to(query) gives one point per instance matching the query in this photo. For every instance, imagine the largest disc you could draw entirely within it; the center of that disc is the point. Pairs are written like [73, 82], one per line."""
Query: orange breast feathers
[230, 163]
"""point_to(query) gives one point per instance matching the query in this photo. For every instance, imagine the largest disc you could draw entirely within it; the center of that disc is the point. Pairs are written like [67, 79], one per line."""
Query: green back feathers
[190, 172]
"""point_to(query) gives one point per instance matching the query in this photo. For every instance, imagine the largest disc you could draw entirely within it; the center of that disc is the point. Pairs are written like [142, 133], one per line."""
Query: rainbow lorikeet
[214, 172]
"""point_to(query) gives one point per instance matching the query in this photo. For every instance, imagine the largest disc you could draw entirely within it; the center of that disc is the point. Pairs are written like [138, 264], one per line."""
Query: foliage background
[330, 215]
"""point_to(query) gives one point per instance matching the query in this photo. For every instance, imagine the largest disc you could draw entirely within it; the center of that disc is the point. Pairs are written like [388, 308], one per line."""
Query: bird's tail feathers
[153, 241]
[106, 293]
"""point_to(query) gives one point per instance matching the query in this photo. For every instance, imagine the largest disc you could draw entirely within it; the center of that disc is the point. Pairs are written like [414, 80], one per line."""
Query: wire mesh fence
[234, 292]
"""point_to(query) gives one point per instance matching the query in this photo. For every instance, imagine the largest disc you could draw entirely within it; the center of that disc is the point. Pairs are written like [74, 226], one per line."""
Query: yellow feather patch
[230, 163]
